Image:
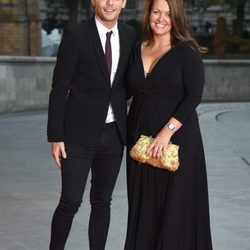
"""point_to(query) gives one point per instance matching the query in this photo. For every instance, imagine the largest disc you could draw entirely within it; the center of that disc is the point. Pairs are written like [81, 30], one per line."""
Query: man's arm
[65, 66]
[67, 57]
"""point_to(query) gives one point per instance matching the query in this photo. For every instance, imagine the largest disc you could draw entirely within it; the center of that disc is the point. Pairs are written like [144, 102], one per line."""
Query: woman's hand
[161, 141]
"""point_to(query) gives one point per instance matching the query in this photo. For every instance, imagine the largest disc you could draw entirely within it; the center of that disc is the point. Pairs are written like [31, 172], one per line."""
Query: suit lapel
[98, 48]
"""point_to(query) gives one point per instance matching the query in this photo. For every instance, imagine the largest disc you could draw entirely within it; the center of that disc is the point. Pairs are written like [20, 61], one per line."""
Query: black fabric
[168, 211]
[81, 90]
[104, 160]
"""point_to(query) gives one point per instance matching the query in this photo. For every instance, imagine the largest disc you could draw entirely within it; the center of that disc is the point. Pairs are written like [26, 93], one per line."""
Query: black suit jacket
[81, 89]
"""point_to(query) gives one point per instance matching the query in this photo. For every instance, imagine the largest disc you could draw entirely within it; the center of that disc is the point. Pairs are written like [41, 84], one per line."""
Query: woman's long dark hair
[180, 28]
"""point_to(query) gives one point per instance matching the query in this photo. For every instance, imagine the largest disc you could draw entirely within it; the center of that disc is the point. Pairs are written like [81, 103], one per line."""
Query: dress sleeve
[67, 57]
[193, 81]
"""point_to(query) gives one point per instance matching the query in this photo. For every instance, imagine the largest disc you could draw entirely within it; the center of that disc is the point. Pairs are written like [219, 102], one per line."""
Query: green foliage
[196, 5]
[138, 27]
[241, 44]
[64, 3]
[54, 13]
[53, 19]
[203, 4]
[232, 3]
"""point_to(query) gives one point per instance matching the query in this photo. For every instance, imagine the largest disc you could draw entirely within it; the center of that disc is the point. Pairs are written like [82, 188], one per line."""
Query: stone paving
[30, 182]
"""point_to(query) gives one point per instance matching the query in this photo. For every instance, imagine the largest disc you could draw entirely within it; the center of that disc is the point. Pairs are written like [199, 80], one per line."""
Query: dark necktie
[108, 51]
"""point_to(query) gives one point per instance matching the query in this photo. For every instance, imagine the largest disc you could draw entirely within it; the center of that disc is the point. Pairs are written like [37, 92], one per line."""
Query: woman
[167, 211]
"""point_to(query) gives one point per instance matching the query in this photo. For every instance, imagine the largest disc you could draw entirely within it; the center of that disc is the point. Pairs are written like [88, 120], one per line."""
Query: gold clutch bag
[170, 161]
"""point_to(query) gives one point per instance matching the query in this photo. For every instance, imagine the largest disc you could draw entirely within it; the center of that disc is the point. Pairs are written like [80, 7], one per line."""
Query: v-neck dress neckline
[166, 54]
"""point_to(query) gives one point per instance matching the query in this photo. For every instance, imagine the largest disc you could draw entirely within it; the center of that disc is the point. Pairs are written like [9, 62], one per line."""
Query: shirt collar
[102, 30]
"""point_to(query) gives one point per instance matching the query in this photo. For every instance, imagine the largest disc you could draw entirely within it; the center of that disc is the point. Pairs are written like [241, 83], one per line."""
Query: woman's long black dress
[168, 211]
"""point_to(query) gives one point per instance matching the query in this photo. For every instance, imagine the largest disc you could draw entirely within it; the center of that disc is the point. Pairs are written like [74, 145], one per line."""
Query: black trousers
[104, 161]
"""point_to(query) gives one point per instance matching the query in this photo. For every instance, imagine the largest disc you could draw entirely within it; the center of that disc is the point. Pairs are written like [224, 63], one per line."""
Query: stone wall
[227, 80]
[25, 82]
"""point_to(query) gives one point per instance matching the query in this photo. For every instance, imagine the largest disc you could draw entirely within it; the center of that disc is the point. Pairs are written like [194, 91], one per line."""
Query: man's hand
[58, 151]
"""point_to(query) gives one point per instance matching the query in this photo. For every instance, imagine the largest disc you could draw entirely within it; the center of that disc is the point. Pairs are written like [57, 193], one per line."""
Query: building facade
[20, 27]
[21, 21]
[202, 21]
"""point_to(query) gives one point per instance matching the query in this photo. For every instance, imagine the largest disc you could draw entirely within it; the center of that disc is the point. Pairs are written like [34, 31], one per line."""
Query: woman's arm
[193, 81]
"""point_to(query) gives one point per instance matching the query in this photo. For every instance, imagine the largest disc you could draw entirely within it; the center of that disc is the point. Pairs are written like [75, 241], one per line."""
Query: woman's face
[159, 19]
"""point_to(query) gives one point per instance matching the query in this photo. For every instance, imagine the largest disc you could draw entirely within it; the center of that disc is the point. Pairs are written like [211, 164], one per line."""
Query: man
[87, 118]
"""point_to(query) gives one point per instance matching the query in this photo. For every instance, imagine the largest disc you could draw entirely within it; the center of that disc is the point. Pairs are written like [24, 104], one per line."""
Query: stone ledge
[53, 59]
[25, 82]
[227, 61]
[24, 59]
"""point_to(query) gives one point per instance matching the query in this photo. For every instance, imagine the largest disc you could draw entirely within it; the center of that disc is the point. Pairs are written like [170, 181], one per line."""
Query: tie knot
[108, 34]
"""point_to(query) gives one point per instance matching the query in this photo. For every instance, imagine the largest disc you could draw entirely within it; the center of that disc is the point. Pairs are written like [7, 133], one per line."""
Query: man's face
[107, 11]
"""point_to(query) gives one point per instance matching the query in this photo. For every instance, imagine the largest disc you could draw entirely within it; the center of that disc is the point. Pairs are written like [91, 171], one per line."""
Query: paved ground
[30, 182]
